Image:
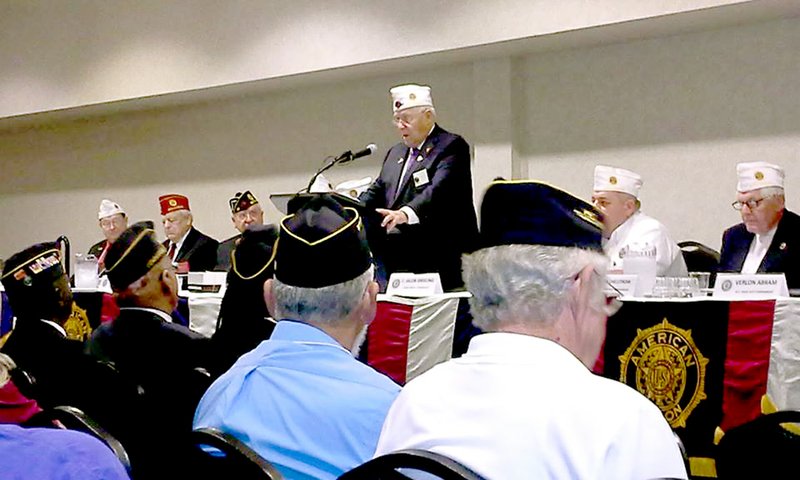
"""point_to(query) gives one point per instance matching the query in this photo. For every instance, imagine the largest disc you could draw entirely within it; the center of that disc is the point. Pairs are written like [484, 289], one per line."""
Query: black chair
[232, 458]
[74, 419]
[699, 257]
[392, 466]
[761, 448]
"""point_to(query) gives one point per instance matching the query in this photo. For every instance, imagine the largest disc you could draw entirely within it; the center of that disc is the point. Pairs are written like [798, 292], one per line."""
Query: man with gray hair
[522, 403]
[423, 194]
[768, 239]
[300, 399]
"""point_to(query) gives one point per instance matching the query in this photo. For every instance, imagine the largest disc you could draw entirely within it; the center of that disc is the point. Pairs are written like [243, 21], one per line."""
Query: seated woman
[244, 320]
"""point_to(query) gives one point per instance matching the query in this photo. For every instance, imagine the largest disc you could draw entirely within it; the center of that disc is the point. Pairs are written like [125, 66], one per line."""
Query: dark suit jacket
[783, 255]
[224, 253]
[199, 250]
[56, 363]
[448, 225]
[159, 357]
[97, 248]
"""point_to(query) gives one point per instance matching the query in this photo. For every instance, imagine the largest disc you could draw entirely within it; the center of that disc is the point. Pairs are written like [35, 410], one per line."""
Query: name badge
[733, 286]
[421, 178]
[414, 285]
[621, 285]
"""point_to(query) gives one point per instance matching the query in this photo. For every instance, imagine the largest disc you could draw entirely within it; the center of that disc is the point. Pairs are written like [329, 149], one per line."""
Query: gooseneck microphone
[345, 157]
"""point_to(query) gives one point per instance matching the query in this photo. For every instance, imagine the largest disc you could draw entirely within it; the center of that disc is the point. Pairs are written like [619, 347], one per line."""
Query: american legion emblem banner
[708, 365]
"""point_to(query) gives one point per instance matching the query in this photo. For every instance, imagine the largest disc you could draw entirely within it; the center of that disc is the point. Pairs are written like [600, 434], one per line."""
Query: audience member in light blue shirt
[301, 399]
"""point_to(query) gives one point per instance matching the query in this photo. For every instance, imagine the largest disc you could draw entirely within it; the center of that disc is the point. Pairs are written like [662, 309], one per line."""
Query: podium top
[289, 203]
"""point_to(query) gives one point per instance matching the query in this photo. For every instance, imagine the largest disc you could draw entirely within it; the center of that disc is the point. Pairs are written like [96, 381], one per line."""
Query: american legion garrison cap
[321, 244]
[254, 253]
[33, 268]
[535, 213]
[242, 201]
[132, 255]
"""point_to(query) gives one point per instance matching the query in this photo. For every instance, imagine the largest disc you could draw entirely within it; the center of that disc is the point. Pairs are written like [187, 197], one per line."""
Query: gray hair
[768, 192]
[526, 282]
[6, 365]
[324, 305]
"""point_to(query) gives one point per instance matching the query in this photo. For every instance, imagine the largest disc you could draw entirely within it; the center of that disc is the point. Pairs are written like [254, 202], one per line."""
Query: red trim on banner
[746, 360]
[387, 347]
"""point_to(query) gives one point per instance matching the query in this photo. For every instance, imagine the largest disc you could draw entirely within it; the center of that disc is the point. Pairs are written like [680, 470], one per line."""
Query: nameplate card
[416, 285]
[733, 286]
[621, 285]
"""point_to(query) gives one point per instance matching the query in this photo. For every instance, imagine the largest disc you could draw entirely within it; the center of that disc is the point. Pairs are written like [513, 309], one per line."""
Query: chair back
[760, 448]
[228, 457]
[402, 465]
[699, 257]
[74, 419]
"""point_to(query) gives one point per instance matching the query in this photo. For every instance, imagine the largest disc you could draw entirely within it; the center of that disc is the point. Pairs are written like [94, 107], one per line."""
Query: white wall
[681, 110]
[61, 54]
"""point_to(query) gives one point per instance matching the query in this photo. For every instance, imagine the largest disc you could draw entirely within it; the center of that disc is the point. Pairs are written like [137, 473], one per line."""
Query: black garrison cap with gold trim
[35, 267]
[132, 255]
[534, 213]
[321, 244]
[242, 201]
[255, 252]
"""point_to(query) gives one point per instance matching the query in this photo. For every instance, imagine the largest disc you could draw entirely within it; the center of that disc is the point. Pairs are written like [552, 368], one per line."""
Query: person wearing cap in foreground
[112, 220]
[616, 194]
[149, 350]
[300, 399]
[244, 320]
[522, 402]
[41, 299]
[187, 248]
[768, 239]
[245, 211]
[423, 194]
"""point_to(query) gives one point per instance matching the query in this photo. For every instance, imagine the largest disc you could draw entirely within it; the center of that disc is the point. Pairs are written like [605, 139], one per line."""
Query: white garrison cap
[409, 96]
[108, 208]
[613, 179]
[354, 188]
[755, 175]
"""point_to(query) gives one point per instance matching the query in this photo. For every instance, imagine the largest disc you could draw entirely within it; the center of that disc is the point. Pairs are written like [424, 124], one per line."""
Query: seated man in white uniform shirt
[616, 194]
[522, 402]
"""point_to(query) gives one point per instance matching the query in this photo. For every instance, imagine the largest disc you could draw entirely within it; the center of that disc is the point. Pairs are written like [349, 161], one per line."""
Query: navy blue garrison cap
[321, 244]
[132, 255]
[534, 213]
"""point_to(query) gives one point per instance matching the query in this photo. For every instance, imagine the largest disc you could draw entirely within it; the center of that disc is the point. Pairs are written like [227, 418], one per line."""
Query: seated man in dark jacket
[41, 300]
[149, 350]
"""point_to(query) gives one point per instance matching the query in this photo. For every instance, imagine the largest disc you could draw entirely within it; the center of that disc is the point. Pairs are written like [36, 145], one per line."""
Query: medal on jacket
[782, 246]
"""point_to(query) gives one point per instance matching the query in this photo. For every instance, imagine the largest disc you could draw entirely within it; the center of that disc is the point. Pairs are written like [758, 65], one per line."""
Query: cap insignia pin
[759, 176]
[612, 180]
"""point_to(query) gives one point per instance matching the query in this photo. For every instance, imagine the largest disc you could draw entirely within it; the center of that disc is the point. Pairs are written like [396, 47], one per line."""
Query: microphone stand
[343, 158]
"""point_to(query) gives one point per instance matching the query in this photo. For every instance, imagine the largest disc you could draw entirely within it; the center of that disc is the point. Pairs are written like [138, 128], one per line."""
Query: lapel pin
[782, 246]
[419, 158]
[400, 160]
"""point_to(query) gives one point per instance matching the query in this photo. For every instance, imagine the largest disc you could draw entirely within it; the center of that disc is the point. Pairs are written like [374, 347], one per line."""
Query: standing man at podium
[423, 195]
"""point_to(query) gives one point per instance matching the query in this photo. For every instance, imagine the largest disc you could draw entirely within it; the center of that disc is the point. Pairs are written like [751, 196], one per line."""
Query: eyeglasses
[751, 204]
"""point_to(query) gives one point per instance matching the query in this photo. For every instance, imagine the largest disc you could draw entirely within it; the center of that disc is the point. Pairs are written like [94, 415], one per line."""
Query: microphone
[349, 156]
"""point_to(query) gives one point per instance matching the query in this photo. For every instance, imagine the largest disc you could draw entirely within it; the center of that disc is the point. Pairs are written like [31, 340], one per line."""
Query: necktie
[409, 166]
[171, 251]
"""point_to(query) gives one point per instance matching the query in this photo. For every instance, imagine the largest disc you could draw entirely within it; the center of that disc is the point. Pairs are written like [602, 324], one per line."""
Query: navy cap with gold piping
[535, 213]
[254, 252]
[242, 201]
[38, 264]
[321, 244]
[132, 255]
